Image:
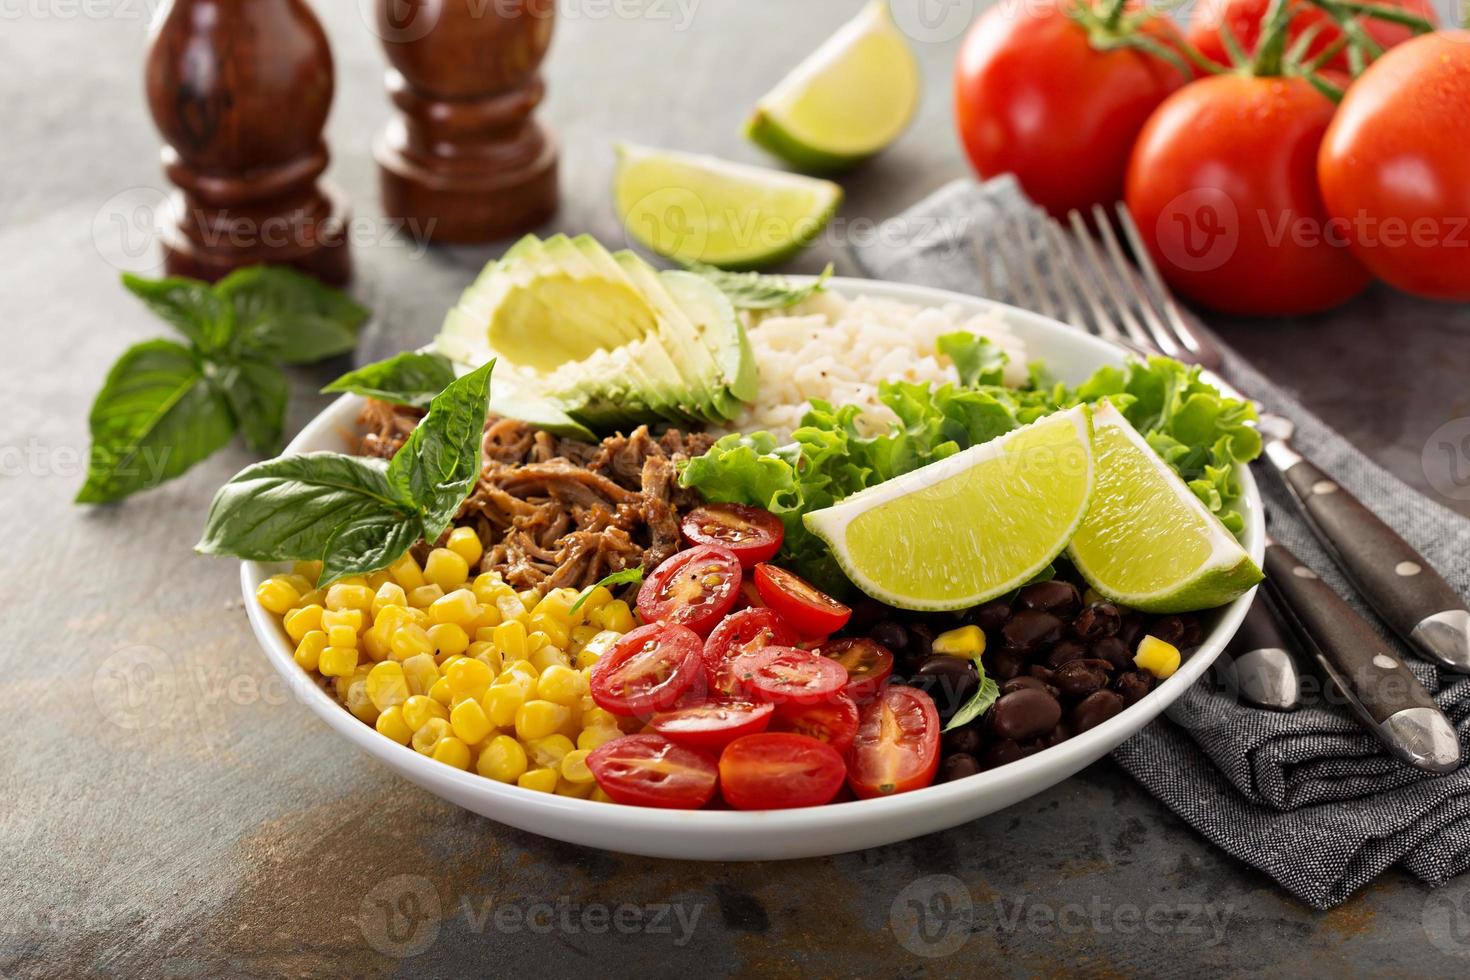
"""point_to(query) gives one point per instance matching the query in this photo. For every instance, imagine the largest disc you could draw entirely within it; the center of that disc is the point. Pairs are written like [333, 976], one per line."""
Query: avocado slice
[718, 327]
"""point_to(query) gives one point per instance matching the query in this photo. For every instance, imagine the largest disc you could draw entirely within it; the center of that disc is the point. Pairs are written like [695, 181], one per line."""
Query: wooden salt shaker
[464, 161]
[240, 90]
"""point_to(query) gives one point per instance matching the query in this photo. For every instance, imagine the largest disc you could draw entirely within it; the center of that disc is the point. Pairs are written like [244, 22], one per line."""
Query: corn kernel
[580, 791]
[489, 617]
[487, 654]
[554, 628]
[535, 641]
[449, 639]
[426, 736]
[387, 685]
[342, 636]
[966, 641]
[502, 759]
[573, 766]
[359, 702]
[309, 649]
[597, 647]
[548, 752]
[391, 724]
[469, 677]
[410, 641]
[442, 692]
[470, 721]
[599, 718]
[463, 541]
[309, 570]
[541, 780]
[446, 569]
[336, 661]
[302, 620]
[419, 710]
[406, 572]
[549, 656]
[595, 737]
[459, 607]
[352, 618]
[616, 616]
[452, 752]
[420, 672]
[511, 609]
[388, 594]
[599, 597]
[490, 586]
[343, 596]
[374, 643]
[277, 595]
[599, 795]
[418, 617]
[1157, 657]
[376, 580]
[561, 685]
[425, 596]
[539, 718]
[316, 597]
[510, 637]
[502, 702]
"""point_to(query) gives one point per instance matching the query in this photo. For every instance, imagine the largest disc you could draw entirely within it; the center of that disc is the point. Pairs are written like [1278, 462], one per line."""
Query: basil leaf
[257, 392]
[412, 378]
[155, 417]
[290, 509]
[366, 546]
[753, 291]
[189, 306]
[985, 695]
[628, 576]
[440, 462]
[285, 316]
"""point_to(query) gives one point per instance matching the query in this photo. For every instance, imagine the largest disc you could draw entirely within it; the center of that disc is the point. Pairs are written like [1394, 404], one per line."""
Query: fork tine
[1115, 278]
[1181, 330]
[1015, 281]
[1163, 338]
[1059, 262]
[1107, 324]
[1020, 225]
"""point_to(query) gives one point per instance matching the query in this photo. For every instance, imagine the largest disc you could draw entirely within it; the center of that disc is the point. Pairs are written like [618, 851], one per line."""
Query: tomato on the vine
[1244, 18]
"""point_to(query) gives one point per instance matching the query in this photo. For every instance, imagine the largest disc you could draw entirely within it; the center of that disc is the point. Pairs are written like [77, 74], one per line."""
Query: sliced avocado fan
[590, 340]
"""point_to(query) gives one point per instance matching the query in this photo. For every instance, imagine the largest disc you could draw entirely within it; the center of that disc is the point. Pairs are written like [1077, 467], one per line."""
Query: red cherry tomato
[709, 726]
[752, 533]
[650, 770]
[648, 670]
[694, 588]
[897, 744]
[810, 611]
[1035, 98]
[778, 770]
[785, 675]
[743, 630]
[868, 663]
[1395, 167]
[834, 721]
[1244, 18]
[1223, 186]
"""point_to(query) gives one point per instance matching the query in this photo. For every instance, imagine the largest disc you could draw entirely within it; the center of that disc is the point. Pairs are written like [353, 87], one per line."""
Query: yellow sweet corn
[1157, 657]
[486, 653]
[359, 703]
[376, 580]
[449, 640]
[351, 618]
[302, 620]
[391, 724]
[427, 735]
[343, 596]
[561, 685]
[452, 752]
[459, 607]
[309, 570]
[419, 710]
[616, 616]
[541, 780]
[592, 738]
[502, 702]
[600, 796]
[406, 573]
[420, 672]
[309, 649]
[277, 595]
[470, 722]
[387, 685]
[337, 661]
[579, 790]
[596, 648]
[510, 637]
[511, 609]
[470, 678]
[342, 636]
[388, 594]
[573, 766]
[463, 541]
[539, 718]
[425, 596]
[410, 641]
[548, 656]
[548, 752]
[446, 569]
[503, 759]
[965, 641]
[442, 692]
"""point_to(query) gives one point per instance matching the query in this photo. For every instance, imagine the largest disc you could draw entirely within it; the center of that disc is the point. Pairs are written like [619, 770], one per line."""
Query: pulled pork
[556, 513]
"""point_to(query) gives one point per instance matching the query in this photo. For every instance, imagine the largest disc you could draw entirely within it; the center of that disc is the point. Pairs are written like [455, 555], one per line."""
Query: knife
[1265, 659]
[1406, 592]
[1384, 694]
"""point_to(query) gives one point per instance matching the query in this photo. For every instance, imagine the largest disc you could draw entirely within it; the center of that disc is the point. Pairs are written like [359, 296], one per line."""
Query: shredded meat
[556, 513]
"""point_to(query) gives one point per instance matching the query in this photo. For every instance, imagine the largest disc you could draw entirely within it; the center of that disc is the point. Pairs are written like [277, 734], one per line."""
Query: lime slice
[700, 209]
[971, 527]
[1148, 542]
[851, 98]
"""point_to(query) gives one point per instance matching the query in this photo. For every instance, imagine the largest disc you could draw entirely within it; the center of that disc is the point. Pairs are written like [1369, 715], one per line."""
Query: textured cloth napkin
[1307, 796]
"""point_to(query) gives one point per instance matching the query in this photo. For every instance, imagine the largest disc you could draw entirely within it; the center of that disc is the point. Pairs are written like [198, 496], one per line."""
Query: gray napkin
[1307, 797]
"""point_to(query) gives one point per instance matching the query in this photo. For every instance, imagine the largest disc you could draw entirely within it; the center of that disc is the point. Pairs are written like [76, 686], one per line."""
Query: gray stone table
[165, 808]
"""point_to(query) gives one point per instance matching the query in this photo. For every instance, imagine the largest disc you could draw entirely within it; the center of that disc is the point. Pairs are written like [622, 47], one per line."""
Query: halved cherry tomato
[648, 670]
[693, 588]
[650, 770]
[748, 629]
[834, 721]
[752, 533]
[750, 597]
[784, 675]
[869, 664]
[810, 611]
[897, 744]
[711, 725]
[778, 770]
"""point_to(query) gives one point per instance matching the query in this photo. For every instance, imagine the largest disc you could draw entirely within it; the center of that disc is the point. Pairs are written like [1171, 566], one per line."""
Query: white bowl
[745, 836]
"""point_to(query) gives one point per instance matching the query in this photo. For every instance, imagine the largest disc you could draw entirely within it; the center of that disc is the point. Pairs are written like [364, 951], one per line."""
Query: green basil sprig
[628, 576]
[356, 514]
[985, 695]
[412, 378]
[167, 405]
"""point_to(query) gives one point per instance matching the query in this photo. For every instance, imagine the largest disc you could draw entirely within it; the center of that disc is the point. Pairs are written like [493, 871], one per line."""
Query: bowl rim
[1069, 755]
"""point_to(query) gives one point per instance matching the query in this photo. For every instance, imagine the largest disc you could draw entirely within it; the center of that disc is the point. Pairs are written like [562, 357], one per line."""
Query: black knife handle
[1377, 679]
[1259, 630]
[1388, 572]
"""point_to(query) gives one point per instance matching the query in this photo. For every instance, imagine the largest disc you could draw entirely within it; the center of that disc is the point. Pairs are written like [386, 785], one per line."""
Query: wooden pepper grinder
[240, 90]
[464, 161]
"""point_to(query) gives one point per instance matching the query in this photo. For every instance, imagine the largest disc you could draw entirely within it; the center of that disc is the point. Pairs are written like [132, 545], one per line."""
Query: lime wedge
[851, 98]
[700, 209]
[971, 527]
[1148, 542]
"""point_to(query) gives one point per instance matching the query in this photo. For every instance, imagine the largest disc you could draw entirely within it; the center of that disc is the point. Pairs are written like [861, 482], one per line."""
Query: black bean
[921, 641]
[1024, 714]
[890, 634]
[947, 680]
[1112, 650]
[1061, 733]
[1134, 684]
[1026, 681]
[1064, 650]
[1170, 629]
[1079, 678]
[967, 739]
[1030, 629]
[958, 766]
[1003, 663]
[1040, 672]
[1006, 751]
[992, 616]
[1095, 709]
[1194, 633]
[1097, 621]
[1056, 597]
[1131, 631]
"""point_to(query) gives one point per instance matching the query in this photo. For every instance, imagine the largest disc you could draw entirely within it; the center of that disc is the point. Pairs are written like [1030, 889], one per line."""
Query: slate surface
[167, 810]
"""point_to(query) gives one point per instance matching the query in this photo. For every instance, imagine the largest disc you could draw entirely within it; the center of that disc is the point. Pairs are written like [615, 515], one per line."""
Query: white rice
[838, 350]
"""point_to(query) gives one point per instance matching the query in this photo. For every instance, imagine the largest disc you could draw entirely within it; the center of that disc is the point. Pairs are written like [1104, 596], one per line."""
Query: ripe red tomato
[1395, 166]
[1034, 98]
[694, 588]
[897, 744]
[834, 721]
[784, 675]
[709, 726]
[649, 770]
[747, 629]
[752, 533]
[1223, 185]
[648, 670]
[868, 663]
[809, 611]
[779, 770]
[1245, 19]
